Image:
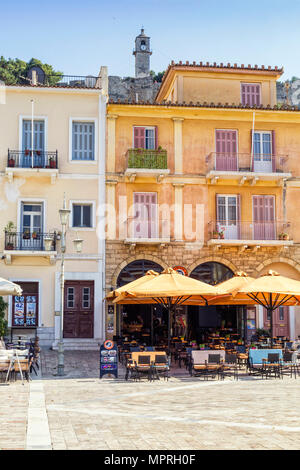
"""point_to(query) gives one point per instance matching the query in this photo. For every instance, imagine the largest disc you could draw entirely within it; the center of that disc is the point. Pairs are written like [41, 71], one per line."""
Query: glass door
[33, 157]
[262, 151]
[227, 214]
[31, 226]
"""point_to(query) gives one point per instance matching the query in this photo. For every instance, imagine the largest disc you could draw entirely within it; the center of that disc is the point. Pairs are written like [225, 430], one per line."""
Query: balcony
[146, 232]
[30, 163]
[245, 167]
[249, 234]
[71, 81]
[146, 162]
[29, 244]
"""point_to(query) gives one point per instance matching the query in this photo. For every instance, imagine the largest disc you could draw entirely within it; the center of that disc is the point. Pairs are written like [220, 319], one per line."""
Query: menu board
[108, 358]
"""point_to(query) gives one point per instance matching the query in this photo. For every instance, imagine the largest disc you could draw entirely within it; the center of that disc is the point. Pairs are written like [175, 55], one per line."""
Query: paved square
[184, 413]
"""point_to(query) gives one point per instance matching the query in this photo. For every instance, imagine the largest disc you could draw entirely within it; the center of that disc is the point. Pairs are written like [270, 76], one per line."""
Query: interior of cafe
[215, 325]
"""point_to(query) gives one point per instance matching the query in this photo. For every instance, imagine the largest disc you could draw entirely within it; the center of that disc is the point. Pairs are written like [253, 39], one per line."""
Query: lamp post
[64, 217]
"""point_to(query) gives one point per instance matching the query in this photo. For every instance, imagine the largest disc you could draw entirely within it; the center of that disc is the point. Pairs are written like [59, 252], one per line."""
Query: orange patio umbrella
[270, 290]
[131, 285]
[169, 289]
[228, 288]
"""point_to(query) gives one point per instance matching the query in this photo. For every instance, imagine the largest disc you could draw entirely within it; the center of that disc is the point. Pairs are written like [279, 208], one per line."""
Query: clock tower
[142, 55]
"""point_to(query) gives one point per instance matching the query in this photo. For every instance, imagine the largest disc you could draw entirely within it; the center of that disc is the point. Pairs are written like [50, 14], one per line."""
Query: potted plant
[26, 234]
[3, 321]
[10, 231]
[215, 234]
[285, 236]
[221, 234]
[11, 162]
[26, 152]
[52, 162]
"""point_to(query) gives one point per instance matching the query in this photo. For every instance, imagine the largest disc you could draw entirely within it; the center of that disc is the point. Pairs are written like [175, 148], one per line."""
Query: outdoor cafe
[222, 351]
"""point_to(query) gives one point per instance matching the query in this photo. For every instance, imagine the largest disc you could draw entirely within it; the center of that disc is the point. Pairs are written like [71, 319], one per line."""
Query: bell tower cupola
[142, 54]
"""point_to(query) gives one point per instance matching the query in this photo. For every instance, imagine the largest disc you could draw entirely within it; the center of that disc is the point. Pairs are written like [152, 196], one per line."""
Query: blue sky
[77, 37]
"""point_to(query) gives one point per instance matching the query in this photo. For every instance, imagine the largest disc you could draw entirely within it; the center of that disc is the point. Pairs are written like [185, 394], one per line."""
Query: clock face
[143, 47]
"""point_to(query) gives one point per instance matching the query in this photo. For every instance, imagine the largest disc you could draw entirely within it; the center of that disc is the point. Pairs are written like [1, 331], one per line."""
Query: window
[82, 215]
[83, 140]
[70, 297]
[38, 135]
[250, 94]
[25, 307]
[145, 215]
[262, 143]
[145, 137]
[86, 297]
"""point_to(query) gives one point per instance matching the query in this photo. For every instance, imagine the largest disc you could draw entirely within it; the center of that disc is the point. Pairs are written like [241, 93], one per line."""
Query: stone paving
[13, 415]
[183, 413]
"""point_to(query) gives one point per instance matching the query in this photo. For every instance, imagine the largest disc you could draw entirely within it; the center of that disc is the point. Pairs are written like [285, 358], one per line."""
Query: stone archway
[213, 259]
[285, 266]
[131, 259]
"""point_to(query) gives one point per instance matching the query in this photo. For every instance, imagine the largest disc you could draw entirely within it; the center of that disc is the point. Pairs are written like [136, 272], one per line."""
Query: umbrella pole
[270, 312]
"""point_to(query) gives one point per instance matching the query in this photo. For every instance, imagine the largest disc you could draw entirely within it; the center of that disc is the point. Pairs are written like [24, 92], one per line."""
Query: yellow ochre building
[204, 179]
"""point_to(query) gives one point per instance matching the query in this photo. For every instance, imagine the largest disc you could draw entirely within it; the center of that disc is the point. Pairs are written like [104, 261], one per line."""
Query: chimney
[102, 80]
[34, 78]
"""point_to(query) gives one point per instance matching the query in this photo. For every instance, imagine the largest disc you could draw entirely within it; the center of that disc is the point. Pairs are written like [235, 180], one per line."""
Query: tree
[14, 71]
[3, 322]
[157, 77]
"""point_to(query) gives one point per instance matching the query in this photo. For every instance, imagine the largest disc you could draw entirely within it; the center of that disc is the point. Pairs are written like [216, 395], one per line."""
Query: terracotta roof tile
[279, 107]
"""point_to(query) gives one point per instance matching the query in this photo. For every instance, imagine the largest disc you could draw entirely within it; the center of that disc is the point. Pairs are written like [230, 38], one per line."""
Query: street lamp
[64, 217]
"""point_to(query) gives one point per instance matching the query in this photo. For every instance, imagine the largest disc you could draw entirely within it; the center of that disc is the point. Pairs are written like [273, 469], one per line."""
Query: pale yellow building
[65, 155]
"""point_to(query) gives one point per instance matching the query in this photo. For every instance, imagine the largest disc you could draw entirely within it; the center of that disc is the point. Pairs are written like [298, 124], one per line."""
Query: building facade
[205, 179]
[63, 158]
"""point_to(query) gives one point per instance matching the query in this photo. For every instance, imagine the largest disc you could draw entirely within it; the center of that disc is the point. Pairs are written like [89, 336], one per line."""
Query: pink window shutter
[273, 152]
[156, 137]
[139, 137]
[252, 149]
[239, 219]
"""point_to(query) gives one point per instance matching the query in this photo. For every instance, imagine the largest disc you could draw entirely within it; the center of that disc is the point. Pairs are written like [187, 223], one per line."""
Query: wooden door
[281, 325]
[79, 309]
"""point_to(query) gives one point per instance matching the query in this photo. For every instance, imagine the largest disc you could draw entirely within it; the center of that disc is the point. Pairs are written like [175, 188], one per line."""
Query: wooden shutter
[139, 137]
[156, 137]
[145, 213]
[226, 150]
[83, 139]
[258, 217]
[239, 220]
[250, 94]
[273, 152]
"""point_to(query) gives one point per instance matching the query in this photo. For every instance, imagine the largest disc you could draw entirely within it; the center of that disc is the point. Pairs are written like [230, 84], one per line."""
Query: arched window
[213, 273]
[135, 270]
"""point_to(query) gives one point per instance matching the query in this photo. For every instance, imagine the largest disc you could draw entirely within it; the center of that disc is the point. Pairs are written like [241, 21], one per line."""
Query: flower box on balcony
[147, 159]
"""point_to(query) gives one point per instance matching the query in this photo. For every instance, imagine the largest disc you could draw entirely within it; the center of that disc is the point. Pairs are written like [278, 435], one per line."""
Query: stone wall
[293, 92]
[118, 255]
[132, 89]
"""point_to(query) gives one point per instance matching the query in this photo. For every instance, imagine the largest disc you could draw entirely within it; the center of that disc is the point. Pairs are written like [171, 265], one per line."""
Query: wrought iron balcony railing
[71, 81]
[147, 159]
[235, 230]
[32, 241]
[32, 159]
[245, 162]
